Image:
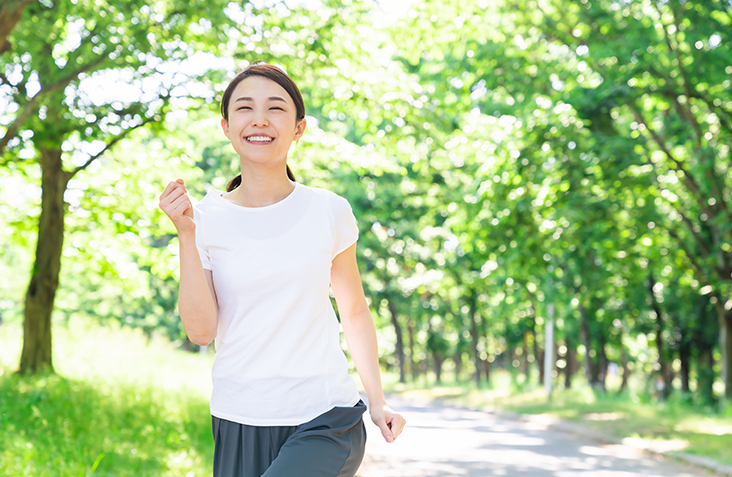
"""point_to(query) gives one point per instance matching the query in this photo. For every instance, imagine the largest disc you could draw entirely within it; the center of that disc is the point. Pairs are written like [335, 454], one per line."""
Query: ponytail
[236, 181]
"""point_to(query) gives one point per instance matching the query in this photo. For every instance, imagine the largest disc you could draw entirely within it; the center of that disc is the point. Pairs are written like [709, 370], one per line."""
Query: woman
[255, 266]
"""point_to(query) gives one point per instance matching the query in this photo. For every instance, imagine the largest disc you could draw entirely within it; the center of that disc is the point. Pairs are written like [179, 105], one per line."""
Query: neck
[261, 186]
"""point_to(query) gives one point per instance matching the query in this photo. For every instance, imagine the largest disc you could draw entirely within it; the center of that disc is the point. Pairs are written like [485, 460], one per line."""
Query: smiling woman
[256, 265]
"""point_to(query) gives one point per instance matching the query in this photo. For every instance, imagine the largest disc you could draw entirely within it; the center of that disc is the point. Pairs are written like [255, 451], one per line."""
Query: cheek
[288, 125]
[235, 124]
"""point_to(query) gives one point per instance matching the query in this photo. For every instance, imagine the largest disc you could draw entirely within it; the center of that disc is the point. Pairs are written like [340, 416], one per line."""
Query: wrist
[186, 235]
[376, 402]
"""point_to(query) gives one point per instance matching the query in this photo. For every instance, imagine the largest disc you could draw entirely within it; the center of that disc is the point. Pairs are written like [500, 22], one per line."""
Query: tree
[658, 77]
[59, 50]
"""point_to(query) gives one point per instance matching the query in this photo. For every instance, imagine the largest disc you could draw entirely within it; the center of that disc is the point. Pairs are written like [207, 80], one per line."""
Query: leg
[245, 451]
[331, 445]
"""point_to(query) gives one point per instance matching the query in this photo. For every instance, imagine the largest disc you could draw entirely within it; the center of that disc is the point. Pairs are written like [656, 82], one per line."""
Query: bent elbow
[202, 339]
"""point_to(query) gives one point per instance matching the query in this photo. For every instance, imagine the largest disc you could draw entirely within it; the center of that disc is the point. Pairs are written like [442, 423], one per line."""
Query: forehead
[259, 87]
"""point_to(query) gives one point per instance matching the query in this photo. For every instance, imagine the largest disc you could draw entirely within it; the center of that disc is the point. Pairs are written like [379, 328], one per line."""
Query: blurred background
[531, 179]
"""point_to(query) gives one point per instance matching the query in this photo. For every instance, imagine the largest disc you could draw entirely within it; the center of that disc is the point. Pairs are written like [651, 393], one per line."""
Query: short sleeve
[345, 227]
[200, 244]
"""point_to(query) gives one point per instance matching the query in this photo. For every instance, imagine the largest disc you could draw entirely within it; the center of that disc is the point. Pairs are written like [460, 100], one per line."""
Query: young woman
[256, 263]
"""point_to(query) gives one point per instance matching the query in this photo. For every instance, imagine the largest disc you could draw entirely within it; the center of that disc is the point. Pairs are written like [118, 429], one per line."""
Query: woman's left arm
[358, 328]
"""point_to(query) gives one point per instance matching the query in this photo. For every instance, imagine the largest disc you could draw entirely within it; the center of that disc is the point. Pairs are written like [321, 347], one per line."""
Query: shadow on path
[444, 441]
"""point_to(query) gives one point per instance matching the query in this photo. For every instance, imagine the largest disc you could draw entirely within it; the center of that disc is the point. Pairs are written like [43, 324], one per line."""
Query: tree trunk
[604, 363]
[476, 338]
[525, 352]
[538, 354]
[412, 362]
[486, 370]
[662, 361]
[458, 360]
[571, 359]
[437, 367]
[590, 368]
[39, 298]
[685, 358]
[10, 12]
[399, 343]
[624, 365]
[705, 373]
[725, 345]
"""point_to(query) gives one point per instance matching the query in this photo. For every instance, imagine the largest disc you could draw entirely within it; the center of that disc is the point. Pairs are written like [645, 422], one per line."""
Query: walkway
[443, 441]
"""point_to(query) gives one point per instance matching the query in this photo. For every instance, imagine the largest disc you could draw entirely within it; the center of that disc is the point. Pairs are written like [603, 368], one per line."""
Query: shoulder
[210, 207]
[210, 201]
[331, 199]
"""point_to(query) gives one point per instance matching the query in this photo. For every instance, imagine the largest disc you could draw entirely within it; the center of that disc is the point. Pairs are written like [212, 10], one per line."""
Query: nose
[260, 119]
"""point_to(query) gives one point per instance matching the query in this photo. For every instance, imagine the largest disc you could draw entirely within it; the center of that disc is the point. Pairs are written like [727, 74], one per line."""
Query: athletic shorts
[331, 445]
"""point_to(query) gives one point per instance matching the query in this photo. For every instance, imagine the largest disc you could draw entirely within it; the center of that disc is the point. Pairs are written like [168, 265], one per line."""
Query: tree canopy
[500, 156]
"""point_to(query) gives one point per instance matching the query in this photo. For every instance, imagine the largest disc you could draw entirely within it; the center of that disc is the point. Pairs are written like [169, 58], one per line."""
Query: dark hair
[278, 76]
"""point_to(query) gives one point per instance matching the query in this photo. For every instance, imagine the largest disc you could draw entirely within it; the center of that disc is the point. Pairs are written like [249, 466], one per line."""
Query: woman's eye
[243, 108]
[276, 107]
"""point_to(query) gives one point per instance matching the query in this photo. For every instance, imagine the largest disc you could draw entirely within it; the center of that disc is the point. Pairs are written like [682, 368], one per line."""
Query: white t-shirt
[278, 356]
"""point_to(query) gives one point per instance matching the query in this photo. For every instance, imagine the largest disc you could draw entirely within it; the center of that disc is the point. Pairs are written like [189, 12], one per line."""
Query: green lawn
[123, 405]
[673, 425]
[120, 405]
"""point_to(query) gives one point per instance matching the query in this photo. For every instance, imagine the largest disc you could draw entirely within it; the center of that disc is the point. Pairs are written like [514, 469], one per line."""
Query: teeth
[259, 139]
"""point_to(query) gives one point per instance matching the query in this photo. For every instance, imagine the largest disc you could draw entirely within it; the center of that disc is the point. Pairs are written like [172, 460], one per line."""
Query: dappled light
[516, 167]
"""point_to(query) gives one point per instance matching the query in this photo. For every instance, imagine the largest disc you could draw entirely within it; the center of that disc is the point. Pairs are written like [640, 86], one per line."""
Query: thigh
[246, 451]
[331, 445]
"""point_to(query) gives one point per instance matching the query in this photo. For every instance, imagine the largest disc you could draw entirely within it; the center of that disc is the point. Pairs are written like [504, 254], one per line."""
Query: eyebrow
[271, 98]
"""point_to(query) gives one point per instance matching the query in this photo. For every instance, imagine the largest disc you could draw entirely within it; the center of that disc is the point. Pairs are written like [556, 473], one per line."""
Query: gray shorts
[331, 445]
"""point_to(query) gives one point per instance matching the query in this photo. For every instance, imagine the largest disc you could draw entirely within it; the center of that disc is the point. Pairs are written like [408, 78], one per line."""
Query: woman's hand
[176, 204]
[390, 422]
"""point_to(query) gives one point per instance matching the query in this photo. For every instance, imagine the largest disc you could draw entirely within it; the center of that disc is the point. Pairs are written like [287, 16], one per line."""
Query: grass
[120, 405]
[670, 425]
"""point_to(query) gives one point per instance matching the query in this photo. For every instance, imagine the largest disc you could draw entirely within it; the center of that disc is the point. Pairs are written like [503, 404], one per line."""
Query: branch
[14, 127]
[699, 240]
[720, 117]
[686, 113]
[5, 79]
[28, 108]
[710, 172]
[678, 166]
[64, 81]
[684, 76]
[671, 94]
[110, 144]
[711, 212]
[697, 237]
[685, 248]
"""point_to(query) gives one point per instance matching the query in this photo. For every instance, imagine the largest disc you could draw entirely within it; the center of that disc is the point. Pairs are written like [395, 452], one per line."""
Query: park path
[444, 441]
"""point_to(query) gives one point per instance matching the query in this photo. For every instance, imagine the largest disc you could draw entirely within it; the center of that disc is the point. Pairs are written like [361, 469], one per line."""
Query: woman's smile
[260, 140]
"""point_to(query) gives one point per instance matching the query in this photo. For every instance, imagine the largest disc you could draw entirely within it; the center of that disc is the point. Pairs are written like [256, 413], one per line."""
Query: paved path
[442, 441]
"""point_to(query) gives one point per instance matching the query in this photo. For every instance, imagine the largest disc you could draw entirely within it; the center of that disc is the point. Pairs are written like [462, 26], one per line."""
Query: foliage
[500, 156]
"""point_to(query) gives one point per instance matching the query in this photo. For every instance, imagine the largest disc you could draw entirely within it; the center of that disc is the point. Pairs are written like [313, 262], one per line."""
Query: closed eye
[242, 108]
[277, 107]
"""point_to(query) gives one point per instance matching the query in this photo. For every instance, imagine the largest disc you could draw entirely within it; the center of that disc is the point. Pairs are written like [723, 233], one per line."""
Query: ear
[225, 127]
[300, 128]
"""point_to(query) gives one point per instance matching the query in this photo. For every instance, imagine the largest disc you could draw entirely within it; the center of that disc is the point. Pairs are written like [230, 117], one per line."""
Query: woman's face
[262, 121]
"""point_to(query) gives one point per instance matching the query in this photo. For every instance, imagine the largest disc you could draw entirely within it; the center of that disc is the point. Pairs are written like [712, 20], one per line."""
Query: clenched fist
[176, 204]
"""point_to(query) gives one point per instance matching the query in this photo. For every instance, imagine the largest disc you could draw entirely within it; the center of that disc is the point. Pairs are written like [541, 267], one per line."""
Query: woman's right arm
[197, 304]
